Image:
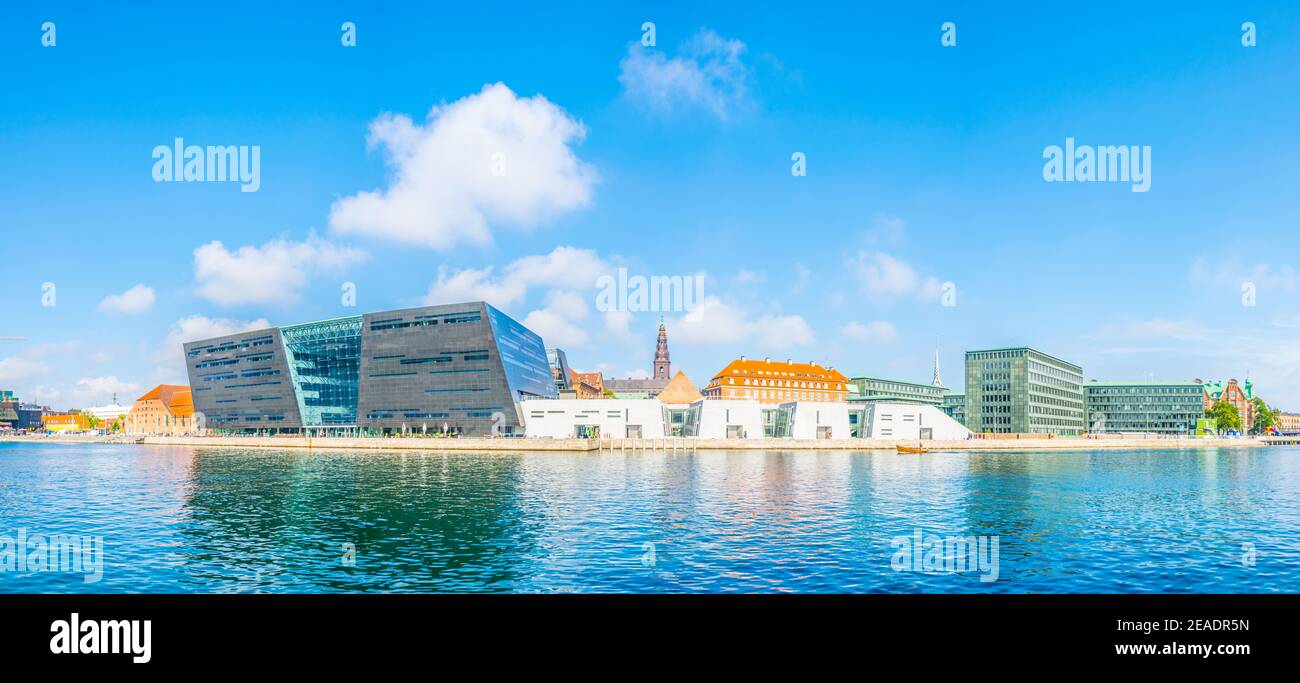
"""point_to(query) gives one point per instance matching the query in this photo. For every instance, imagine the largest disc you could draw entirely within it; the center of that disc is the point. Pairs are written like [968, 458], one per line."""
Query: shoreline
[669, 445]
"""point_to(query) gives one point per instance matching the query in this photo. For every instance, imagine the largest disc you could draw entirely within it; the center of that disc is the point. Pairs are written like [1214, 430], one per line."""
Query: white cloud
[559, 323]
[803, 276]
[43, 395]
[195, 327]
[882, 274]
[717, 322]
[1232, 274]
[271, 273]
[488, 158]
[780, 332]
[708, 73]
[887, 230]
[1160, 329]
[1188, 348]
[29, 362]
[875, 330]
[563, 268]
[133, 301]
[618, 324]
[95, 391]
[19, 369]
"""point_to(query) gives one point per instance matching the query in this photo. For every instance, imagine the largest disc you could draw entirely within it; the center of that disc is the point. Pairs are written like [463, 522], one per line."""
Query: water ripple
[222, 520]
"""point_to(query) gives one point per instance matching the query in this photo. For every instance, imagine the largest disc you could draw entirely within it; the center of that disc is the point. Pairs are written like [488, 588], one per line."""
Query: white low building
[728, 419]
[816, 420]
[912, 421]
[107, 413]
[593, 418]
[735, 419]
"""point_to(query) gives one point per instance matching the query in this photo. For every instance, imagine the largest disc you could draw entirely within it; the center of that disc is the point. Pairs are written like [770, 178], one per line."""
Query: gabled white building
[912, 421]
[816, 420]
[637, 418]
[728, 419]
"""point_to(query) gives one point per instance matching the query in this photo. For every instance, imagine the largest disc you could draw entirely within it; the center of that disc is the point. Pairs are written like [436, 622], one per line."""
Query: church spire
[662, 366]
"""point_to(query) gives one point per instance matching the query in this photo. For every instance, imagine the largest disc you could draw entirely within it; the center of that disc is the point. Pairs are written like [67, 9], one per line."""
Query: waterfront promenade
[666, 444]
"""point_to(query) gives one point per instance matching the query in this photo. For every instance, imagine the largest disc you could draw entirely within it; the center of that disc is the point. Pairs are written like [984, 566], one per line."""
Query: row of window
[232, 346]
[426, 321]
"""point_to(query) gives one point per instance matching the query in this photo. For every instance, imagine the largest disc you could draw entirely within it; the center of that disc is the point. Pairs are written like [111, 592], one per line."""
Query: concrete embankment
[679, 445]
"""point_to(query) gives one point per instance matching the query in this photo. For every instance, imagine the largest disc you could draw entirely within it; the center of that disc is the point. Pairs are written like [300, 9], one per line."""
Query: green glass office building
[1144, 407]
[1024, 391]
[880, 389]
[955, 407]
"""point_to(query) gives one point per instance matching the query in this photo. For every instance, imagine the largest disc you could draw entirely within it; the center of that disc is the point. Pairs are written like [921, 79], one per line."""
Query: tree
[1265, 417]
[1225, 416]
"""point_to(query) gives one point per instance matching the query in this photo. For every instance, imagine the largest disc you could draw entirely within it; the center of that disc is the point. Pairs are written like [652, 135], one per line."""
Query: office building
[896, 391]
[776, 382]
[954, 406]
[1023, 391]
[1143, 407]
[460, 369]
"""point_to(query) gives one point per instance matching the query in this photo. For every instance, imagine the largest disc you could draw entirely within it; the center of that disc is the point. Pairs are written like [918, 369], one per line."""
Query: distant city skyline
[454, 154]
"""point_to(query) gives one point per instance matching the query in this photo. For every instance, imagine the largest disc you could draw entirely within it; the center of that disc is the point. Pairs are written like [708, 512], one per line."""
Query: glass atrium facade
[324, 361]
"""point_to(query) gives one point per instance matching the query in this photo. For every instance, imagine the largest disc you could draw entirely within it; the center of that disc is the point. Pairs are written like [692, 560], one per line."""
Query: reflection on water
[192, 519]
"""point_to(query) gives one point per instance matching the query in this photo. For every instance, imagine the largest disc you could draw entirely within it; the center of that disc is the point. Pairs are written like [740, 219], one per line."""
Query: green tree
[1265, 417]
[1225, 416]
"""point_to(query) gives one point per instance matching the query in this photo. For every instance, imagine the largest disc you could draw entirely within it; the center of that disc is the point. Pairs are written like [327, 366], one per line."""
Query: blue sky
[924, 167]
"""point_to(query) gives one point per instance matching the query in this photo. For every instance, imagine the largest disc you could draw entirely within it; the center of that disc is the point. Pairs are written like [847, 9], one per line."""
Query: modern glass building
[559, 368]
[954, 405]
[1145, 407]
[458, 368]
[880, 389]
[1025, 391]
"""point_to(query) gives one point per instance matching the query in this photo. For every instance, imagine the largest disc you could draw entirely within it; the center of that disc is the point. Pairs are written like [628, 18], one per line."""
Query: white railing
[668, 444]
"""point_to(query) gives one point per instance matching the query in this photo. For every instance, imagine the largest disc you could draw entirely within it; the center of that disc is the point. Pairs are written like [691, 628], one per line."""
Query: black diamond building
[462, 368]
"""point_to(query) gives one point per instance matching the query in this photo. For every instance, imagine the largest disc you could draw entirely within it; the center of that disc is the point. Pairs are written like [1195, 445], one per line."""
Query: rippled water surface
[179, 519]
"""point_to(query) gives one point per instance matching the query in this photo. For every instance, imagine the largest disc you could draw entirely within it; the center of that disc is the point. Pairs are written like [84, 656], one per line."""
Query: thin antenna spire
[938, 381]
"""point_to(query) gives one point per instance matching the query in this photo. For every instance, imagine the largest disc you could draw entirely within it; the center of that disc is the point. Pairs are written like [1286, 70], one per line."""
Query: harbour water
[192, 519]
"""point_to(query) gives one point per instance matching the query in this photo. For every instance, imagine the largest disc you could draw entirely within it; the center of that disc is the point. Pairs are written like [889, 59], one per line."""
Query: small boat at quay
[908, 449]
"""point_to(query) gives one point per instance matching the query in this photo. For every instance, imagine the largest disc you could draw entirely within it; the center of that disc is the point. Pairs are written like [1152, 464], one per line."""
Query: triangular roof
[680, 389]
[178, 398]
